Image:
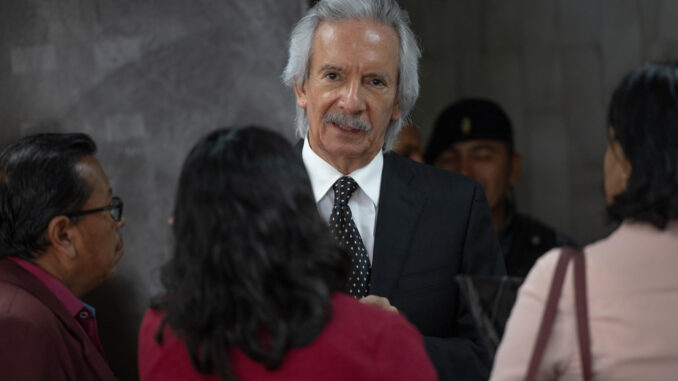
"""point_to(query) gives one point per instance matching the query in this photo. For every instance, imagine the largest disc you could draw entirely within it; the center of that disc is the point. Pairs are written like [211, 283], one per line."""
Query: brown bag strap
[581, 304]
[552, 306]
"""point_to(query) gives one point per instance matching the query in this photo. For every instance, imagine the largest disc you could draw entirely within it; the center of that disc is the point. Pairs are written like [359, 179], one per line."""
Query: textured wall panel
[146, 79]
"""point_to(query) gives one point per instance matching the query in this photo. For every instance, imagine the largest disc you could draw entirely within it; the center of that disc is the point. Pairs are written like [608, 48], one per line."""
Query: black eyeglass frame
[116, 204]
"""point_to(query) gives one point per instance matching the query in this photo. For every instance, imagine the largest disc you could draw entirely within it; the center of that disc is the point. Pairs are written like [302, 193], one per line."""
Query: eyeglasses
[115, 207]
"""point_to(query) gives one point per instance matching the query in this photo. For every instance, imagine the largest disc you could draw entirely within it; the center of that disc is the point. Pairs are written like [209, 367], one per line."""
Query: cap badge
[466, 126]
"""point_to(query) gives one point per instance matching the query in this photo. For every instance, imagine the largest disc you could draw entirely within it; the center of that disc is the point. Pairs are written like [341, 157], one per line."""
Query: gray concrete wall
[552, 64]
[145, 79]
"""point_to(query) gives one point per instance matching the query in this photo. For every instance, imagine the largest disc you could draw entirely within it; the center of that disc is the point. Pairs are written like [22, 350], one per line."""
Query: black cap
[468, 119]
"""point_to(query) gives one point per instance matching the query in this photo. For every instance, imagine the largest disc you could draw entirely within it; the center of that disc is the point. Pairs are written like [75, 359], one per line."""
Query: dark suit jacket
[39, 340]
[432, 225]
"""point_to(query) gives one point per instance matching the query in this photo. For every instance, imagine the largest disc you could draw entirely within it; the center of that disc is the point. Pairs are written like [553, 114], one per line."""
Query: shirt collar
[71, 302]
[323, 175]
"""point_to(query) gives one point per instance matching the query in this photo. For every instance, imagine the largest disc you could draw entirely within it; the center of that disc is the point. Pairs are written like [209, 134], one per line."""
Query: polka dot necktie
[344, 230]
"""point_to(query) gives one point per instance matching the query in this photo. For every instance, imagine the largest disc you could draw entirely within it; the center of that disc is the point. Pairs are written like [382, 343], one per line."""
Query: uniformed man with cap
[474, 137]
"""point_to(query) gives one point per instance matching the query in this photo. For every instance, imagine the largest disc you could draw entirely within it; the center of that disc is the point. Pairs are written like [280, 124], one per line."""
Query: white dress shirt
[364, 202]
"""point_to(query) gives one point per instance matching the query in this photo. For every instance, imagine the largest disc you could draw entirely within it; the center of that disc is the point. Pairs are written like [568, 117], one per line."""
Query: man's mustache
[341, 118]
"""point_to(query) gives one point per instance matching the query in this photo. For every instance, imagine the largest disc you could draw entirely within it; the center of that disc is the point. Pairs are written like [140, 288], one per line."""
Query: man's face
[488, 162]
[353, 81]
[101, 246]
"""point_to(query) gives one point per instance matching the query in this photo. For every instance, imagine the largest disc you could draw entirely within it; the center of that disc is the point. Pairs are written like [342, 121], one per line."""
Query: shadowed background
[146, 79]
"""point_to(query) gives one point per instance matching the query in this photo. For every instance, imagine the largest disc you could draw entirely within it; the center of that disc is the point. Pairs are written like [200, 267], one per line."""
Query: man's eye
[332, 76]
[377, 83]
[482, 156]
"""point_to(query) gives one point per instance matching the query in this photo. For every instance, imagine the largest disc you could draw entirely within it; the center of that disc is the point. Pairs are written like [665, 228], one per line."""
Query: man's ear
[395, 114]
[300, 91]
[516, 167]
[61, 234]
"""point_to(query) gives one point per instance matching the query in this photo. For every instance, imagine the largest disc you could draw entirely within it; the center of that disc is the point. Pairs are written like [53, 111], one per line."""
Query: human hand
[379, 301]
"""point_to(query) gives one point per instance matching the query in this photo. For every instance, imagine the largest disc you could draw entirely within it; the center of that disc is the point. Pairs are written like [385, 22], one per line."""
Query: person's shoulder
[428, 177]
[32, 336]
[152, 318]
[424, 170]
[539, 277]
[528, 232]
[151, 323]
[22, 295]
[539, 233]
[18, 304]
[525, 222]
[21, 312]
[162, 356]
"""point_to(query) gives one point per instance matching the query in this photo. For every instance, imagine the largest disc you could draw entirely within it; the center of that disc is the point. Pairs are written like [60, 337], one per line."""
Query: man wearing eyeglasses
[59, 239]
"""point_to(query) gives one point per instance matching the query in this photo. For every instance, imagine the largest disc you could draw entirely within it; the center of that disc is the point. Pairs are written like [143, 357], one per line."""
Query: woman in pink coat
[632, 275]
[252, 285]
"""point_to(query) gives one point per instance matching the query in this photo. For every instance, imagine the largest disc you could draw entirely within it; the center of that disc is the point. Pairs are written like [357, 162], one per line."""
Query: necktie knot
[343, 189]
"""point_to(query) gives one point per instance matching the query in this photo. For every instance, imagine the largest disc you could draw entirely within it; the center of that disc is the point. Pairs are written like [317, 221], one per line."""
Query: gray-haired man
[353, 67]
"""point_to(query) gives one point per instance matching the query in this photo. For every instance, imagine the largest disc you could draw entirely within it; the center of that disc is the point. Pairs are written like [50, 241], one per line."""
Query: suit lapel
[399, 208]
[13, 273]
[400, 205]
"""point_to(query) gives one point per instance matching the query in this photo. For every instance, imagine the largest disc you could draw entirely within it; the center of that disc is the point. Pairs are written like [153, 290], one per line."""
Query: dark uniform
[524, 239]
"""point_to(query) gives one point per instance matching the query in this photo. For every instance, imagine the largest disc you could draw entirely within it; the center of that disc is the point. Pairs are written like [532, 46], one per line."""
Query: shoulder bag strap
[552, 306]
[581, 304]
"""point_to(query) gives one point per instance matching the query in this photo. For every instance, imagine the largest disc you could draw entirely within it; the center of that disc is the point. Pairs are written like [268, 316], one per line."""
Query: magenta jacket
[359, 343]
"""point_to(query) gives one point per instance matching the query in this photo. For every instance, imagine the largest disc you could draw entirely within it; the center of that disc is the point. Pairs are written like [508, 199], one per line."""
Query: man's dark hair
[38, 181]
[254, 265]
[643, 114]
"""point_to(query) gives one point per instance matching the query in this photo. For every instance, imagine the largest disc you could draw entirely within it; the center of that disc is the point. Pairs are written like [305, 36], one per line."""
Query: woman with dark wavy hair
[252, 286]
[631, 275]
